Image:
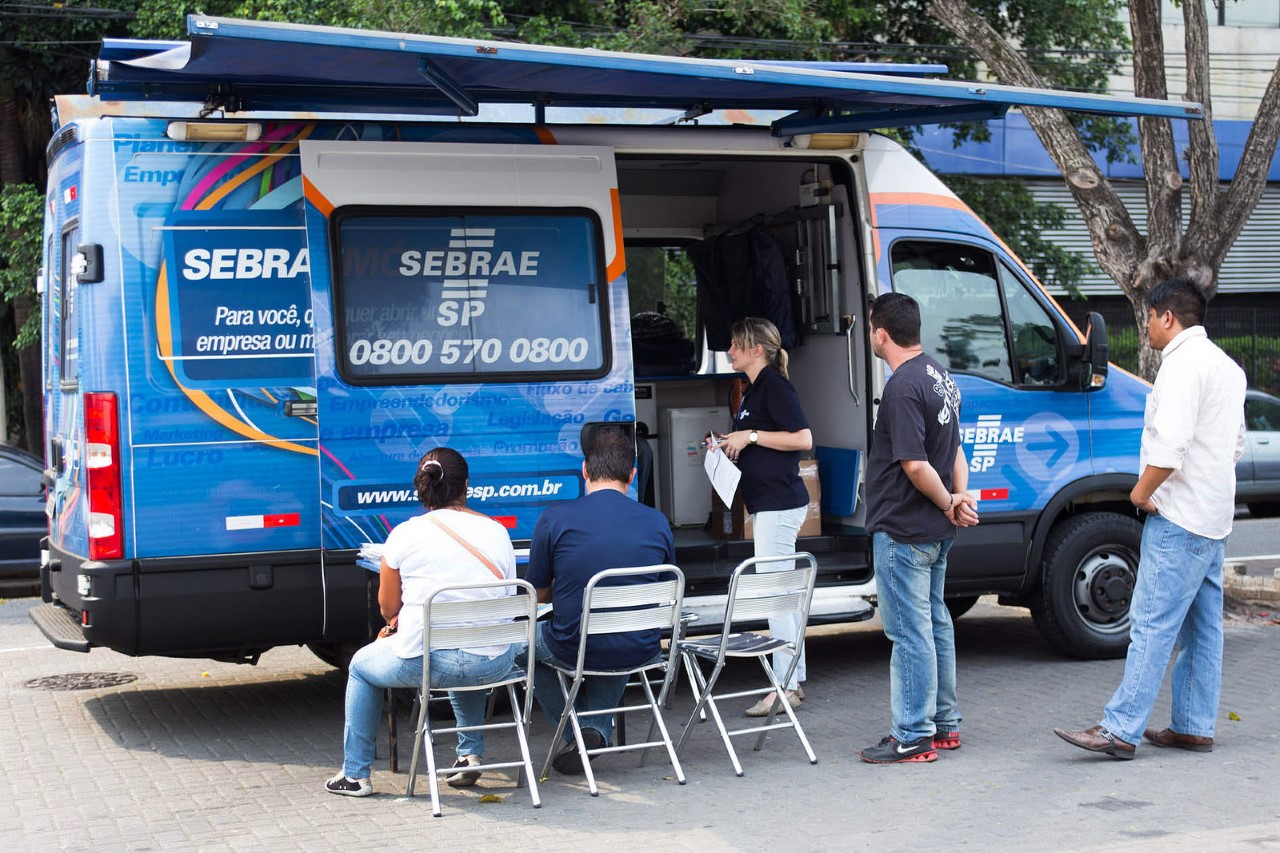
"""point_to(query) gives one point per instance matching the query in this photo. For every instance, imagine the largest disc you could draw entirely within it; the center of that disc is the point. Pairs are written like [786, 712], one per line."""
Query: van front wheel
[1090, 567]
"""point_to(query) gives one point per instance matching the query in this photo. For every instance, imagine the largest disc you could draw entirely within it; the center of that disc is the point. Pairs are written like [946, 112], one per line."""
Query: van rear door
[457, 289]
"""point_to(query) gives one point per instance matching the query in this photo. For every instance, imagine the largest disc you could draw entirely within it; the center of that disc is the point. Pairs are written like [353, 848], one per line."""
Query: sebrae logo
[465, 269]
[986, 439]
[245, 262]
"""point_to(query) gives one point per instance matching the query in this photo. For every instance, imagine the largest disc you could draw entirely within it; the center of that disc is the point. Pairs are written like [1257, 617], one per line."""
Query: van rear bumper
[60, 627]
[227, 607]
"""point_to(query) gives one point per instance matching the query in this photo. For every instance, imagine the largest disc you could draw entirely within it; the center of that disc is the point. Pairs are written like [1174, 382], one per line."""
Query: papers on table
[723, 473]
[370, 556]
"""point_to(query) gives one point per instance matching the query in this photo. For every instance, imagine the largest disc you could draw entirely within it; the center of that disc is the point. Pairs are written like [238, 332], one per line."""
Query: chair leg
[780, 702]
[690, 666]
[701, 694]
[420, 735]
[393, 734]
[576, 725]
[707, 699]
[662, 727]
[570, 696]
[522, 738]
[668, 687]
[432, 777]
[724, 734]
[667, 697]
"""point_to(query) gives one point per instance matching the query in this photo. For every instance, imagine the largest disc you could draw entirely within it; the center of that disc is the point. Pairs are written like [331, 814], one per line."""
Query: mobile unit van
[279, 267]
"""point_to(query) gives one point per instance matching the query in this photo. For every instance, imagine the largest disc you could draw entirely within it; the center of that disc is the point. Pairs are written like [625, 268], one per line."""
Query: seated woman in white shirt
[419, 557]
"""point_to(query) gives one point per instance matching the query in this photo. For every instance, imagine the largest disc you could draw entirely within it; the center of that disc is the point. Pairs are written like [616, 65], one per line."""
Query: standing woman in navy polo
[770, 431]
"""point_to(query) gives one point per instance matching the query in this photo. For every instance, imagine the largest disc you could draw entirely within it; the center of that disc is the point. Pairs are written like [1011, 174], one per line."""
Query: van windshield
[474, 296]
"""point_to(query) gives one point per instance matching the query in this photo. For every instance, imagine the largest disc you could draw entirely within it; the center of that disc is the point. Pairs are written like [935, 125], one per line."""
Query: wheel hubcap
[1104, 587]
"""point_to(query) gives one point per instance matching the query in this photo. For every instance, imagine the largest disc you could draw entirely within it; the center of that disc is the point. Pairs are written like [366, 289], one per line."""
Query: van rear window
[472, 297]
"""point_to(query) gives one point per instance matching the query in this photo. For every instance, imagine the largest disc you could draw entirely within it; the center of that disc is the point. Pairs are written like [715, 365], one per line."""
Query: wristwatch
[753, 436]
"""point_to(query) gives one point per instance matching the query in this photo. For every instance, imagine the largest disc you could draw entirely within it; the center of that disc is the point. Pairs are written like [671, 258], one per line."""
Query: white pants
[775, 534]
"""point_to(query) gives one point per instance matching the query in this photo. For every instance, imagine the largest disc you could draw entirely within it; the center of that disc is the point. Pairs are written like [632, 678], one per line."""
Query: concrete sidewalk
[198, 755]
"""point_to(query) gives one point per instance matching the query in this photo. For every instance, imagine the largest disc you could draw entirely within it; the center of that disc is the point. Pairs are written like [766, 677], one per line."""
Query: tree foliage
[1069, 43]
[166, 19]
[21, 217]
[1014, 213]
[1135, 260]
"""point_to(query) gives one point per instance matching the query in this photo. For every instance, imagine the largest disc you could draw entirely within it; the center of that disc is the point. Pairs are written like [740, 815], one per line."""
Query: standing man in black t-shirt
[916, 482]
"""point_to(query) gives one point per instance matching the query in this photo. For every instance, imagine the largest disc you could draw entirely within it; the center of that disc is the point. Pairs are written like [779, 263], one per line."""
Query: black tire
[961, 605]
[1264, 509]
[337, 655]
[1090, 566]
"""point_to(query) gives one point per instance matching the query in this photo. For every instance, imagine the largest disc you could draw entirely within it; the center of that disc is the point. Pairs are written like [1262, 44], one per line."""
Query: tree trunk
[13, 170]
[1117, 243]
[1159, 157]
[13, 149]
[29, 377]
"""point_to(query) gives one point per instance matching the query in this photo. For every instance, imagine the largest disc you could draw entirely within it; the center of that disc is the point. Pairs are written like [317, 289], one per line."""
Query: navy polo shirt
[575, 539]
[771, 478]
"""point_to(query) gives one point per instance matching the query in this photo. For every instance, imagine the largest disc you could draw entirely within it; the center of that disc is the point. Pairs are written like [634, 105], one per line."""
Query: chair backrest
[472, 622]
[755, 595]
[608, 608]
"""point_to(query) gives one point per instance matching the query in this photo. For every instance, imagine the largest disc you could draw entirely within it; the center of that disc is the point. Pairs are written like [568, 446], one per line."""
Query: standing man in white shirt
[1192, 435]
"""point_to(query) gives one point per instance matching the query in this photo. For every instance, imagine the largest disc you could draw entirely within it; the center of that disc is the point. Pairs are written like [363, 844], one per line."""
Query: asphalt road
[1253, 537]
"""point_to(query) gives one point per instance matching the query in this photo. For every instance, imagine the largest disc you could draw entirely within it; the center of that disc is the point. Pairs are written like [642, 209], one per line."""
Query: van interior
[711, 239]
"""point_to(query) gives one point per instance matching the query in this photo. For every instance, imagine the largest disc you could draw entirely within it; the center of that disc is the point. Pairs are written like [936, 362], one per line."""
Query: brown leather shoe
[1098, 739]
[1168, 737]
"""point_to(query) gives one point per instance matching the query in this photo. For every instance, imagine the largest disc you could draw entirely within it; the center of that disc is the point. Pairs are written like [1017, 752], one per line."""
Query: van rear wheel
[337, 655]
[1090, 567]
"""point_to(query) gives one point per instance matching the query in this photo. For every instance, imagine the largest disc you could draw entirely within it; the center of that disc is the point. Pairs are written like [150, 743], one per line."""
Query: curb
[1259, 588]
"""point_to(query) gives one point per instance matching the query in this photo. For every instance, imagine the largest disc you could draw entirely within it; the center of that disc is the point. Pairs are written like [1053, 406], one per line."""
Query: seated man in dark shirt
[572, 542]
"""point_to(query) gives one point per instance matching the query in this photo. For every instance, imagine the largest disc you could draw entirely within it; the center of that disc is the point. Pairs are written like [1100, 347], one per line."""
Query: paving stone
[235, 759]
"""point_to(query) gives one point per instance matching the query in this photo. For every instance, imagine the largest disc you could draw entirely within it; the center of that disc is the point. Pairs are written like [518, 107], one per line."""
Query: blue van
[281, 262]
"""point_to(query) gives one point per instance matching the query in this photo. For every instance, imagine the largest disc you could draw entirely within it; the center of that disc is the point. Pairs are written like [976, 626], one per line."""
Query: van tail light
[102, 470]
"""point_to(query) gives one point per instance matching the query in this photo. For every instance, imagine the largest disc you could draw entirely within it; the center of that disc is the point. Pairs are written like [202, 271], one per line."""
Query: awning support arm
[465, 103]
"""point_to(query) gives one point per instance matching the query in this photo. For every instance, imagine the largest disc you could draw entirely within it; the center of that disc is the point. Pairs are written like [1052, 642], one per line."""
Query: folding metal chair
[611, 609]
[754, 595]
[469, 623]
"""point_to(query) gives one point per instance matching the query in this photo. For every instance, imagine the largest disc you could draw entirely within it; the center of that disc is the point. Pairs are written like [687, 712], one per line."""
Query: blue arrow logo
[1056, 446]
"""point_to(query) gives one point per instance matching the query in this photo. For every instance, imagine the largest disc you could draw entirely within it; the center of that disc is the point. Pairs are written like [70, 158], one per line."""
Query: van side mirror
[1093, 361]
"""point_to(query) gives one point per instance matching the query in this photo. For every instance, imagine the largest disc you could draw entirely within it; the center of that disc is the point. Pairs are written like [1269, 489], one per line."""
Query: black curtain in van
[742, 275]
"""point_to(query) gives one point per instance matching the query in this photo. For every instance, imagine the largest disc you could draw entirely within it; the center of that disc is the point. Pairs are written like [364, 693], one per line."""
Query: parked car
[22, 521]
[1258, 471]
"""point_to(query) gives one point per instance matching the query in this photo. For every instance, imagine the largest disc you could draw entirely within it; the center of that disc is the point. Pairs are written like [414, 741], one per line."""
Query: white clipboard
[724, 475]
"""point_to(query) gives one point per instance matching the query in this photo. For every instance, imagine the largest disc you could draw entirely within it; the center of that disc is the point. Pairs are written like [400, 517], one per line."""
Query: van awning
[238, 66]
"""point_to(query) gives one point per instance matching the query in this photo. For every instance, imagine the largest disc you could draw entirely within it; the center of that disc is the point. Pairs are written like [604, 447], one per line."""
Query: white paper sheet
[723, 473]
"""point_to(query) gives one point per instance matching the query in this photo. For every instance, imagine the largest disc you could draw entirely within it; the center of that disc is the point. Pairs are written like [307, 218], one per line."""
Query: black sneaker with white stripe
[345, 787]
[891, 751]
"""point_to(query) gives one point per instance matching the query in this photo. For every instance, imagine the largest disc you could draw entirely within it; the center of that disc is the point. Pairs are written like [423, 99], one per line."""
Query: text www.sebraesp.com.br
[546, 489]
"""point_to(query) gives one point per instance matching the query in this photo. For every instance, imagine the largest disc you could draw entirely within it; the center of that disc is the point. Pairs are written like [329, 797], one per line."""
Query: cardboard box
[735, 523]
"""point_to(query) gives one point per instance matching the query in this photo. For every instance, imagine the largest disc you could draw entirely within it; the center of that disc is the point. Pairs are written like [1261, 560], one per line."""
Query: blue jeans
[597, 691]
[1177, 598]
[775, 534]
[922, 667]
[377, 667]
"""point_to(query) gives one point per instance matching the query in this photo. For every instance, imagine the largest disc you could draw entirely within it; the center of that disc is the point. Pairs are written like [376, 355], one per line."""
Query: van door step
[60, 626]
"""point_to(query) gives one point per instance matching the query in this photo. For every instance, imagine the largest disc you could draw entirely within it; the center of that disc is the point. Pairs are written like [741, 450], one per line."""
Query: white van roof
[235, 66]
